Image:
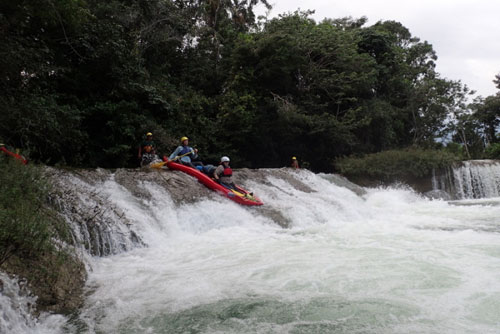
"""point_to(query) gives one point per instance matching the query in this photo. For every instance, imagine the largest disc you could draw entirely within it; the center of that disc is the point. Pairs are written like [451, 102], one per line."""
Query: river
[384, 260]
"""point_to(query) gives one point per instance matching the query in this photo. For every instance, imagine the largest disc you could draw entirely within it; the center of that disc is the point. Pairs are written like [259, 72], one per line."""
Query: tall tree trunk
[464, 140]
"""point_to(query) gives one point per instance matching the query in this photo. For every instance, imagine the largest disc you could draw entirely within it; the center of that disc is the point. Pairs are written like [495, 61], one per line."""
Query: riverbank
[35, 243]
[413, 167]
[437, 174]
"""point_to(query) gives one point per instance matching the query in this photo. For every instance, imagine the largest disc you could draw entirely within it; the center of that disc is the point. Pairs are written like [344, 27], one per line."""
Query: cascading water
[16, 310]
[470, 179]
[321, 256]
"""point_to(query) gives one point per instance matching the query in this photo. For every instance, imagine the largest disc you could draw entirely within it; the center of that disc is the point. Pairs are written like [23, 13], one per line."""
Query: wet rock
[438, 194]
[56, 279]
[181, 187]
[275, 215]
[344, 182]
[261, 175]
[96, 224]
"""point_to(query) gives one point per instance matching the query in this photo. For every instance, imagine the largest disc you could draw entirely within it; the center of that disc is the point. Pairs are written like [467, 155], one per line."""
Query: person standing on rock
[147, 150]
[295, 163]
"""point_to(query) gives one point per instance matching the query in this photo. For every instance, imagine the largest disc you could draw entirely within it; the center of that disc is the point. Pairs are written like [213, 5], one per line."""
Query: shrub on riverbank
[30, 232]
[395, 164]
[493, 151]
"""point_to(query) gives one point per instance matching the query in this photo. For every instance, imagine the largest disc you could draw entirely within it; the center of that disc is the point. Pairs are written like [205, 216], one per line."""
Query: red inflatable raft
[12, 154]
[240, 195]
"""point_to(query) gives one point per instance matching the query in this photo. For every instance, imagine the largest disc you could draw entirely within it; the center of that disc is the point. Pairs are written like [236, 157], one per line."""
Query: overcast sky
[464, 33]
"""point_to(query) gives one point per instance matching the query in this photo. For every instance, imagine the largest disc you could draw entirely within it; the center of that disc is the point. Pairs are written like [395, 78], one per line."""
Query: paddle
[180, 156]
[161, 164]
[239, 192]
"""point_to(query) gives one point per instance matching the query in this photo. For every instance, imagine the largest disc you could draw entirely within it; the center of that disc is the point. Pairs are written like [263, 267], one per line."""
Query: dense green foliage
[476, 126]
[83, 80]
[396, 164]
[493, 151]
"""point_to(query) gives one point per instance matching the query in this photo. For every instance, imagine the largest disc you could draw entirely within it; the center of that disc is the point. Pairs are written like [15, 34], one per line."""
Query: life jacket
[185, 150]
[148, 146]
[227, 171]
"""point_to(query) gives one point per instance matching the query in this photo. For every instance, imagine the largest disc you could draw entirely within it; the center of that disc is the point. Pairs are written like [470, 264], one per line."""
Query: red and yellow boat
[17, 156]
[238, 195]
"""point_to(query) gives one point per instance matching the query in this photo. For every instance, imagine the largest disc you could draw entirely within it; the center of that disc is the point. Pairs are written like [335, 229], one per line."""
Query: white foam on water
[16, 306]
[422, 261]
[389, 261]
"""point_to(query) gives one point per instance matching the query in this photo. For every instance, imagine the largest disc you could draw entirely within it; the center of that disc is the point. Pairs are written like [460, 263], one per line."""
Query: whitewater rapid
[375, 261]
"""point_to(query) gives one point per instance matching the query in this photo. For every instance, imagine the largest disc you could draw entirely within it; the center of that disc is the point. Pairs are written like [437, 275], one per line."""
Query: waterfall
[98, 226]
[470, 179]
[167, 255]
[16, 310]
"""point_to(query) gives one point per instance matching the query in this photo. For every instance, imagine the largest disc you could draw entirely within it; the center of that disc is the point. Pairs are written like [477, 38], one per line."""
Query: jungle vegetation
[81, 81]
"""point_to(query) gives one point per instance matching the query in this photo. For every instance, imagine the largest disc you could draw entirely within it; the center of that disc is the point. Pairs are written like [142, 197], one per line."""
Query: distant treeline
[83, 80]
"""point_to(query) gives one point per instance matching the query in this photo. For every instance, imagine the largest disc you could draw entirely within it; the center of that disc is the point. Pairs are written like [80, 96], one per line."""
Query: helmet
[294, 158]
[184, 138]
[224, 159]
[149, 134]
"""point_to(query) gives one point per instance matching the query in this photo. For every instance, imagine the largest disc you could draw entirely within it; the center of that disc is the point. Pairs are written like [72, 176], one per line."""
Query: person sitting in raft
[147, 150]
[223, 174]
[295, 163]
[186, 154]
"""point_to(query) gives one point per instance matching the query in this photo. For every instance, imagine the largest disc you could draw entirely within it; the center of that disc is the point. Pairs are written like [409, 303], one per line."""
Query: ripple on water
[486, 309]
[260, 315]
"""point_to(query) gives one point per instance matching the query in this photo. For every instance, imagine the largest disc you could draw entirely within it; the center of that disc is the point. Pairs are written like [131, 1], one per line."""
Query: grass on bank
[30, 231]
[394, 164]
[26, 223]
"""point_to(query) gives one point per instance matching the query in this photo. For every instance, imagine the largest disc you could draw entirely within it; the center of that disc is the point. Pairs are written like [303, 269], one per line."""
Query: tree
[83, 80]
[487, 113]
[497, 80]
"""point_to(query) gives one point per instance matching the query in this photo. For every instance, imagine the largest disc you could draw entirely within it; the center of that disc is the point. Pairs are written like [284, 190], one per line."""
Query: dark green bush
[455, 149]
[492, 151]
[393, 164]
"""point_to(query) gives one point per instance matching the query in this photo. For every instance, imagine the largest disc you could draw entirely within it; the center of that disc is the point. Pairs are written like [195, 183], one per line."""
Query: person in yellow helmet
[147, 150]
[295, 163]
[185, 154]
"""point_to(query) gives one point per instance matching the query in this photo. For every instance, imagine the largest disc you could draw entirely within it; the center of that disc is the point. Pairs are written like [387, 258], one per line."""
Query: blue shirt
[186, 158]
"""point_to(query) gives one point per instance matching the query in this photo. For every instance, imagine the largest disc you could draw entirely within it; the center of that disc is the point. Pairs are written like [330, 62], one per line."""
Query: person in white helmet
[224, 174]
